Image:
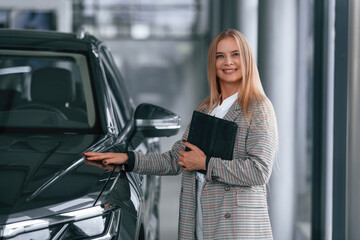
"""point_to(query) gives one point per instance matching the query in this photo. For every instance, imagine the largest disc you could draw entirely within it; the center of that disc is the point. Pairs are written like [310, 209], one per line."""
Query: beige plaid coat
[234, 199]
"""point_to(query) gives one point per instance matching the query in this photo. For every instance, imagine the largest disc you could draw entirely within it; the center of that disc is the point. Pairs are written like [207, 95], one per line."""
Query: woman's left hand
[195, 159]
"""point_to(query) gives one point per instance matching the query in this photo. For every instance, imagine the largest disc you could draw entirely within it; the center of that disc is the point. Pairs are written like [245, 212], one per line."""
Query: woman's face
[228, 67]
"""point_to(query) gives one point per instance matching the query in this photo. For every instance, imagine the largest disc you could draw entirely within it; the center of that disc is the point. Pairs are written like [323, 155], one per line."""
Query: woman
[230, 201]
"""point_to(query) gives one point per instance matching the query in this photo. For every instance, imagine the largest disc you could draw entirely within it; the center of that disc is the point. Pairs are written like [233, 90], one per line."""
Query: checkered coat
[234, 199]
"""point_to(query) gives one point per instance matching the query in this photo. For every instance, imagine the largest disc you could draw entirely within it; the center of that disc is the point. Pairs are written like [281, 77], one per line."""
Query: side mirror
[154, 121]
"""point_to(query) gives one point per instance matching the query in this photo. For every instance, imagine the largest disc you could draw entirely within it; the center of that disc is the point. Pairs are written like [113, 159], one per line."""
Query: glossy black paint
[144, 115]
[27, 162]
[43, 172]
[44, 40]
[150, 111]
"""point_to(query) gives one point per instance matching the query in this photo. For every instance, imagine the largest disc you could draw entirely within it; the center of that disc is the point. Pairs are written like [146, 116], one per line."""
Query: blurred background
[308, 58]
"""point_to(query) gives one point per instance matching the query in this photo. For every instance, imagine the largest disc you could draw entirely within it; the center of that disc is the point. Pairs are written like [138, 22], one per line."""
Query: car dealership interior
[307, 53]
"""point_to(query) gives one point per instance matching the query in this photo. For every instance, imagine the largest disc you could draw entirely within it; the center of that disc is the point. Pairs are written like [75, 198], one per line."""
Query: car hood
[27, 163]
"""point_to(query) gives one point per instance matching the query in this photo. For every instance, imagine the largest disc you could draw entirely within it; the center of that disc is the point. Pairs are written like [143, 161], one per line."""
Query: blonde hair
[250, 89]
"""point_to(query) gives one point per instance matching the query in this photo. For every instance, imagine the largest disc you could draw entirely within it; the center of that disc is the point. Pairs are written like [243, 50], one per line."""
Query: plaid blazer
[234, 198]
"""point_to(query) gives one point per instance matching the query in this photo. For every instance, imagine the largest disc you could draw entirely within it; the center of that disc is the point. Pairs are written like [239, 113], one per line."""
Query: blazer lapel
[205, 109]
[231, 115]
[233, 112]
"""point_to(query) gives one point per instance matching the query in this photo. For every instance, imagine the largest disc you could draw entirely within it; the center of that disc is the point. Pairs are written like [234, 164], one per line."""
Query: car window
[117, 84]
[118, 113]
[118, 96]
[45, 90]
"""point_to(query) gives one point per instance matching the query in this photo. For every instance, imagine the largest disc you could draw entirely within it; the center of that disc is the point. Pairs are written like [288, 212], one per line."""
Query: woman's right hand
[107, 158]
[99, 164]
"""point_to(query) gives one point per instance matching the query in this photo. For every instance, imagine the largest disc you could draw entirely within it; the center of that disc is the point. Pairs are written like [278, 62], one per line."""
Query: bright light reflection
[17, 228]
[92, 226]
[84, 213]
[140, 31]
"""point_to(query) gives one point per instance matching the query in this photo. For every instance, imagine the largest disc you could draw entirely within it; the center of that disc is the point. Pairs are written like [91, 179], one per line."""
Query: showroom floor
[169, 207]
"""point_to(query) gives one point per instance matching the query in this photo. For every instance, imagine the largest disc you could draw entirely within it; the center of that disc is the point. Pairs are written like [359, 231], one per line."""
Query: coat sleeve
[261, 147]
[163, 163]
[159, 163]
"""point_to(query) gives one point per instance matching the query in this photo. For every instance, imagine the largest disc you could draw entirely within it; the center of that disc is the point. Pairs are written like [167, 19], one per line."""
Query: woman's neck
[228, 89]
[225, 93]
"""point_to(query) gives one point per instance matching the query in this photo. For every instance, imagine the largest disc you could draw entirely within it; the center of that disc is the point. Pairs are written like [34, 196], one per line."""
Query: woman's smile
[228, 63]
[229, 71]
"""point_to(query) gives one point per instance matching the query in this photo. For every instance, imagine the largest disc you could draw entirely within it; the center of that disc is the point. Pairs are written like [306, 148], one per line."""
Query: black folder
[214, 136]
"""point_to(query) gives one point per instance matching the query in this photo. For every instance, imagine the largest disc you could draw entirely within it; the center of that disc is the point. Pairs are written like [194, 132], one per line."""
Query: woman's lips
[229, 71]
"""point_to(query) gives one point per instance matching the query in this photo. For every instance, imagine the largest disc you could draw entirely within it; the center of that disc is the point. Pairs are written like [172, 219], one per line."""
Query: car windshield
[45, 91]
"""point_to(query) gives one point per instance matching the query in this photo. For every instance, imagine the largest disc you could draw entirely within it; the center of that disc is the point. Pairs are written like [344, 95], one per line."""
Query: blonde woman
[230, 200]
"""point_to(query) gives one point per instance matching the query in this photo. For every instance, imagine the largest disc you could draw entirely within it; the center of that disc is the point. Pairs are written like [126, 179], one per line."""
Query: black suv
[61, 95]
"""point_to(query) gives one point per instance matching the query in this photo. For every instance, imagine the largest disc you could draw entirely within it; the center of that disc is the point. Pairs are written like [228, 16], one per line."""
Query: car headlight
[91, 223]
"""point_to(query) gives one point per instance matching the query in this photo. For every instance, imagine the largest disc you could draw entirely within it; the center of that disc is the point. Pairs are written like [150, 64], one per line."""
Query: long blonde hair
[250, 87]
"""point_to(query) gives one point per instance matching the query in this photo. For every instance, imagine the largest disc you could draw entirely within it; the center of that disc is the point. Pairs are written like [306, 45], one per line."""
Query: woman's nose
[228, 61]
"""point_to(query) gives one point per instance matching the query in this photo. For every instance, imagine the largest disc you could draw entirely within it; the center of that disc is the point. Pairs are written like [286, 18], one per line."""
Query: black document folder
[214, 136]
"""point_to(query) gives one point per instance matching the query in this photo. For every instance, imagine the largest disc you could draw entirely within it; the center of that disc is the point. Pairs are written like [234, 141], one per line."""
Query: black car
[61, 95]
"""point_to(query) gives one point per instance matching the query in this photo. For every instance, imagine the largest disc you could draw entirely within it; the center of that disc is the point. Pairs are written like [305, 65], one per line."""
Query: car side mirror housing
[155, 121]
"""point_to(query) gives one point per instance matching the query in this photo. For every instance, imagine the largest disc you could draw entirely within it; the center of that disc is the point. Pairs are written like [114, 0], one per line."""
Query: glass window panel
[45, 91]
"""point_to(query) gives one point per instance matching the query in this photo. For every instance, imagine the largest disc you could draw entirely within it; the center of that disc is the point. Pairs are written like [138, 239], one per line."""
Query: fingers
[192, 160]
[91, 154]
[117, 158]
[184, 159]
[94, 163]
[191, 146]
[181, 161]
[109, 161]
[112, 161]
[100, 164]
[94, 156]
[107, 158]
[182, 153]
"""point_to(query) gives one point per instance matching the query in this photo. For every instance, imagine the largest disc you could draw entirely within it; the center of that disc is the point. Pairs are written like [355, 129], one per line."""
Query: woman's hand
[99, 164]
[106, 158]
[192, 160]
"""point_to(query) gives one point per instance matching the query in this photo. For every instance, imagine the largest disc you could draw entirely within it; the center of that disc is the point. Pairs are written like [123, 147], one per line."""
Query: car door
[123, 109]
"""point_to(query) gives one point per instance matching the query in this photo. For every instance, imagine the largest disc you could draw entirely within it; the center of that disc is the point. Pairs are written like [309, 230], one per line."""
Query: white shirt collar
[227, 102]
[221, 110]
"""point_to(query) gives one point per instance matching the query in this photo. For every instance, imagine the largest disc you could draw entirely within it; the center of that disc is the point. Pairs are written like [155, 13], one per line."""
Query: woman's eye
[236, 54]
[219, 56]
